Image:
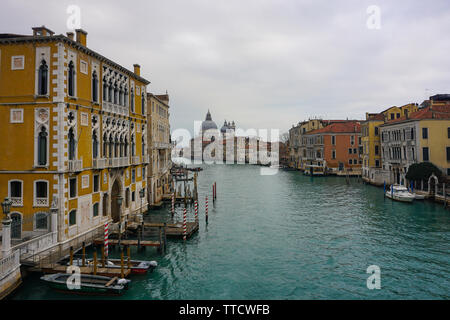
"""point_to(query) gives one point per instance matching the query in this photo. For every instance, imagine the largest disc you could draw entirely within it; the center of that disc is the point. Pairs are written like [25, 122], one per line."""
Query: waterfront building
[297, 148]
[294, 145]
[370, 132]
[74, 128]
[160, 147]
[335, 148]
[422, 136]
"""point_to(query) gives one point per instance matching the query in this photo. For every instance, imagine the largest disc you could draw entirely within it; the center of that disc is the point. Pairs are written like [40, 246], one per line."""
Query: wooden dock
[127, 242]
[107, 272]
[175, 230]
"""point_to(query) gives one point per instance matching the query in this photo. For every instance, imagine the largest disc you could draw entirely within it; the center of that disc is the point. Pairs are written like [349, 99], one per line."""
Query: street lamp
[6, 207]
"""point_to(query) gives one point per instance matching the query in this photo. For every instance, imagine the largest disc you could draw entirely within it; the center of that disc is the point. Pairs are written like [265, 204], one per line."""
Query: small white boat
[419, 196]
[400, 193]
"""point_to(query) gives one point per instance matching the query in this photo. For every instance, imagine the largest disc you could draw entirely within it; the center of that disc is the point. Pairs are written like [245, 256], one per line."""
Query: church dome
[208, 124]
[224, 127]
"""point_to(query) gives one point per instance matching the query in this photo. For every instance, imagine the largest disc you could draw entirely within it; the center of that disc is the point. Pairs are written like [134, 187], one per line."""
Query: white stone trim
[42, 53]
[35, 202]
[12, 62]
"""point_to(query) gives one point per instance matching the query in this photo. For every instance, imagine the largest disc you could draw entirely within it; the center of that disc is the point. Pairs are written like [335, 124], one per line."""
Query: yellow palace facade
[370, 138]
[74, 135]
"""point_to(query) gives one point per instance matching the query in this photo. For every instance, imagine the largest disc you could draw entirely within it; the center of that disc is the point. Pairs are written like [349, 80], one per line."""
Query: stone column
[6, 237]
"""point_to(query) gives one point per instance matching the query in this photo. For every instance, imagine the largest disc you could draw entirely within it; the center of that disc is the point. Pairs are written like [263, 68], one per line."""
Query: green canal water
[288, 236]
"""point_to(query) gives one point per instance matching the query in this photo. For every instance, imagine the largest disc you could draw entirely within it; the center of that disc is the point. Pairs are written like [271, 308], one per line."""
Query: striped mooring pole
[173, 204]
[196, 210]
[106, 239]
[184, 224]
[206, 208]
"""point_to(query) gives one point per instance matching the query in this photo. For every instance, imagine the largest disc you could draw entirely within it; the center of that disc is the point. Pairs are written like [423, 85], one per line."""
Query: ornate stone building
[76, 129]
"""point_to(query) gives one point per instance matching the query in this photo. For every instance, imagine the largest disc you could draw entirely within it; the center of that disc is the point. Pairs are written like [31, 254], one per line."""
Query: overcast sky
[264, 64]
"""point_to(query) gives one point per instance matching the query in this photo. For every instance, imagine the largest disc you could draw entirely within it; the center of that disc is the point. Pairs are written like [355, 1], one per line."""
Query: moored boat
[399, 193]
[137, 266]
[89, 284]
[314, 170]
[418, 196]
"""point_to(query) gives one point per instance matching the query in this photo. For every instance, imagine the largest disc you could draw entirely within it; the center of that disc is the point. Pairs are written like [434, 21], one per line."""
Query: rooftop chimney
[42, 31]
[137, 69]
[81, 37]
[70, 35]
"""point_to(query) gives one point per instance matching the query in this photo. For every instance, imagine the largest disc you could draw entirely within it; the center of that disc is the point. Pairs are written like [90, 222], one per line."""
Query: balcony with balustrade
[99, 163]
[16, 201]
[115, 108]
[135, 160]
[41, 202]
[75, 165]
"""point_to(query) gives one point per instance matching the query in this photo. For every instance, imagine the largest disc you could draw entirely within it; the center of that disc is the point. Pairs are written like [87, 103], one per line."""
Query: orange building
[333, 148]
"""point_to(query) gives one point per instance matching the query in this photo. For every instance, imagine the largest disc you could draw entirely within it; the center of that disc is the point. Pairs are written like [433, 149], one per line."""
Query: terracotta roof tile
[345, 126]
[430, 112]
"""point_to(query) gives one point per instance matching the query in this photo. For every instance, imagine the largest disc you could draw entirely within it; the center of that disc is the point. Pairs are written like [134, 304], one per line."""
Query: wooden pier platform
[176, 230]
[126, 242]
[107, 272]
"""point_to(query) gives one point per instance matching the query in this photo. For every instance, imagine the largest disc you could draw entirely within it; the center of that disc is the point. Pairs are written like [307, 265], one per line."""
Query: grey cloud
[265, 64]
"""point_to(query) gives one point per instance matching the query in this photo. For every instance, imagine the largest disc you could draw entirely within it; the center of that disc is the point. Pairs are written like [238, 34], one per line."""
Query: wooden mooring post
[95, 261]
[83, 257]
[122, 275]
[165, 236]
[445, 195]
[71, 255]
[129, 257]
[103, 256]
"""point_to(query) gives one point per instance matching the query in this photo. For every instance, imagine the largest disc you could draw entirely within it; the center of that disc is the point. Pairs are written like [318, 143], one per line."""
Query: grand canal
[288, 236]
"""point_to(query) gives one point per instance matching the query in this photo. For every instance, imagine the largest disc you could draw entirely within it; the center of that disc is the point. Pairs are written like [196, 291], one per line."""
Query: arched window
[143, 145]
[132, 100]
[133, 146]
[41, 221]
[72, 217]
[71, 79]
[105, 90]
[95, 209]
[43, 78]
[126, 148]
[16, 225]
[94, 145]
[111, 89]
[111, 146]
[121, 146]
[71, 145]
[121, 96]
[42, 147]
[94, 87]
[143, 103]
[105, 145]
[115, 93]
[126, 98]
[116, 147]
[41, 193]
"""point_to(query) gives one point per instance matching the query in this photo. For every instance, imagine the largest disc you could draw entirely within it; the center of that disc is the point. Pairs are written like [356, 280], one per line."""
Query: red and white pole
[106, 239]
[206, 208]
[173, 204]
[196, 210]
[184, 224]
